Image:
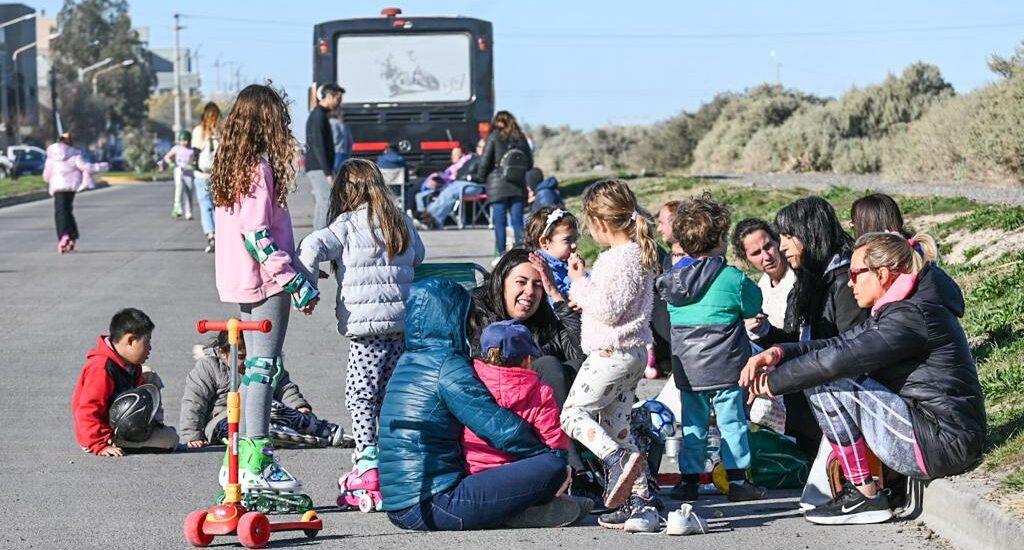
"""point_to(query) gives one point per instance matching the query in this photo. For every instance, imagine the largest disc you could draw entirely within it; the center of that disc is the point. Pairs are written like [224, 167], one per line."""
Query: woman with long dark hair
[503, 165]
[816, 246]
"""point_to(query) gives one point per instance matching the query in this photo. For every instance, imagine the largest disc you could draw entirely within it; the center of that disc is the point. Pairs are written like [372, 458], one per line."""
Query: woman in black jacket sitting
[503, 165]
[903, 382]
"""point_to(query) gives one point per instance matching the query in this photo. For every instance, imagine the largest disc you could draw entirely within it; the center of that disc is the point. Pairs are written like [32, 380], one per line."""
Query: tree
[1007, 67]
[91, 31]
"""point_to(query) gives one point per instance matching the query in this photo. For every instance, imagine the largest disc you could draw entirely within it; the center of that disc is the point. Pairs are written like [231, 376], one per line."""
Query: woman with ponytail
[902, 383]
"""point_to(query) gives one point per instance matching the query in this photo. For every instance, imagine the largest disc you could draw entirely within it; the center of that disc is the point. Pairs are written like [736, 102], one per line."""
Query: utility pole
[177, 75]
[192, 70]
[216, 72]
[778, 68]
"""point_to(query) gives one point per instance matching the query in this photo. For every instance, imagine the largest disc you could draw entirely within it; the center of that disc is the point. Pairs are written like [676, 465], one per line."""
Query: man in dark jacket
[432, 396]
[320, 150]
[903, 383]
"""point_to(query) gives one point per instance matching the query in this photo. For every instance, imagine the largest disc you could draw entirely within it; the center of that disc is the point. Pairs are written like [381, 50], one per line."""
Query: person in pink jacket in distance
[508, 349]
[67, 173]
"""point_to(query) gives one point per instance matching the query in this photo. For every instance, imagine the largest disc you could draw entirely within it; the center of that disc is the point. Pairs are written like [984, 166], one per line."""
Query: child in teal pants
[707, 303]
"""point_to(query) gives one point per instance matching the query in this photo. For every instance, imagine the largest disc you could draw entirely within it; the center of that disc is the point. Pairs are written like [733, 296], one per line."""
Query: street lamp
[18, 20]
[81, 72]
[26, 47]
[121, 65]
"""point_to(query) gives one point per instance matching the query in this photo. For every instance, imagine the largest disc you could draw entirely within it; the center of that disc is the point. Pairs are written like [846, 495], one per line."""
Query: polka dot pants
[371, 360]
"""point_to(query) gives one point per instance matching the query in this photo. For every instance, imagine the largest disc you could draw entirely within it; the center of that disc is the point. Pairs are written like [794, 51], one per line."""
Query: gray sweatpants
[371, 361]
[859, 414]
[321, 185]
[256, 397]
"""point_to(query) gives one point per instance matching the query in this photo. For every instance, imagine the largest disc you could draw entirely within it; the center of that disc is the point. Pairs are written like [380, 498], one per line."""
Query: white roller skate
[266, 486]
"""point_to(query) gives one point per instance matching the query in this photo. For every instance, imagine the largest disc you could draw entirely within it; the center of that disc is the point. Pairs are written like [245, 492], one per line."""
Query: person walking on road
[184, 170]
[67, 173]
[503, 165]
[320, 150]
[205, 140]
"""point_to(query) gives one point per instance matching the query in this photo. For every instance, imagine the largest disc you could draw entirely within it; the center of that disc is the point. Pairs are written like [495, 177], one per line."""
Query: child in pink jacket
[67, 173]
[508, 348]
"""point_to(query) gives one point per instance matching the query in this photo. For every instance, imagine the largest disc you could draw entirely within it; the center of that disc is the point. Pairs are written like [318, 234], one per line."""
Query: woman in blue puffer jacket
[432, 396]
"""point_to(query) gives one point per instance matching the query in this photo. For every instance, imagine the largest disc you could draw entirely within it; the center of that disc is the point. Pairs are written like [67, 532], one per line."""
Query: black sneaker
[742, 492]
[586, 485]
[622, 469]
[851, 507]
[684, 491]
[616, 519]
[559, 512]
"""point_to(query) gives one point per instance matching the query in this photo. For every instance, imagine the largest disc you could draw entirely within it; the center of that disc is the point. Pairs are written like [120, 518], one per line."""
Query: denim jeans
[513, 210]
[487, 499]
[321, 185]
[205, 200]
[445, 201]
[422, 197]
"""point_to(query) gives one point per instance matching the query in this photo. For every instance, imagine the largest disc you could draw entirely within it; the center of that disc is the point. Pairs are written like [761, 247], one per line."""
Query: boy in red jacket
[508, 349]
[113, 367]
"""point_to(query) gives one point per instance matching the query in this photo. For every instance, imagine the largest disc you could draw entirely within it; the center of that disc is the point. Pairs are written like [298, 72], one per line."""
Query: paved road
[133, 254]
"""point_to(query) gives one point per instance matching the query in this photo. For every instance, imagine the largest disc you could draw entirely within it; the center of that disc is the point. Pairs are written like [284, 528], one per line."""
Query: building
[19, 83]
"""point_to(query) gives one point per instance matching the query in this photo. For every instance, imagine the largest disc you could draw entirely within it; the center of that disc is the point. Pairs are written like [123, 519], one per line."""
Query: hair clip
[632, 216]
[553, 217]
[912, 242]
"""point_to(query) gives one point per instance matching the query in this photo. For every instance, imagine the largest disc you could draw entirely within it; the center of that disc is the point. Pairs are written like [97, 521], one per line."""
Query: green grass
[24, 184]
[994, 290]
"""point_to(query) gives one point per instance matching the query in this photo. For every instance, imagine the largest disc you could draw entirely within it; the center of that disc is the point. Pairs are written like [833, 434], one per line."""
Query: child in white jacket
[373, 249]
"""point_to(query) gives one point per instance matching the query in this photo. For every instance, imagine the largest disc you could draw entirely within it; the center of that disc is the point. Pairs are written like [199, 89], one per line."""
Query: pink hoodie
[521, 391]
[66, 170]
[240, 278]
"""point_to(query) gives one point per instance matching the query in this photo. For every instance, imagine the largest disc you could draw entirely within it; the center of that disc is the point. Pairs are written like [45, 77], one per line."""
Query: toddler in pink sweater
[508, 350]
[616, 301]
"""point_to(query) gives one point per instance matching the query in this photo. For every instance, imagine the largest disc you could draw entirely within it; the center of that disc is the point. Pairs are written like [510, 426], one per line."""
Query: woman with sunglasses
[903, 383]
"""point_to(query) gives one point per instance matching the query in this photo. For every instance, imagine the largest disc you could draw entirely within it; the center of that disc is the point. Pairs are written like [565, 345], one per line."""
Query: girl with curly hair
[254, 252]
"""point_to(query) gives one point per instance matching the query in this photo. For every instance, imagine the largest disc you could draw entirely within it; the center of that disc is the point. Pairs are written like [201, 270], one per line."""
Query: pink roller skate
[651, 372]
[64, 245]
[360, 488]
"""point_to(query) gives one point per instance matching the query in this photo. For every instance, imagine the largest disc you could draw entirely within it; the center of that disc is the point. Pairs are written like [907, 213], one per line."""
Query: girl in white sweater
[373, 249]
[616, 300]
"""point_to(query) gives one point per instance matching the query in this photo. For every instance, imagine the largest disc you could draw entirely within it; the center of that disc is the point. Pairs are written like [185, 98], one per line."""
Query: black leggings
[63, 215]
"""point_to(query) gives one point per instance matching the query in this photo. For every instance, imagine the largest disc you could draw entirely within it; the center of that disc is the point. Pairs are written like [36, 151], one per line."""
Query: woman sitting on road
[433, 395]
[903, 383]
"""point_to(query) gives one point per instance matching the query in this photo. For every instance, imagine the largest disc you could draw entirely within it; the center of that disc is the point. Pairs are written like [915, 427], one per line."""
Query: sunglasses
[854, 273]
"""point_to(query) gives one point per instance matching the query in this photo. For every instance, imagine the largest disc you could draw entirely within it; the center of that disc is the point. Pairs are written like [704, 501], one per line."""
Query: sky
[589, 64]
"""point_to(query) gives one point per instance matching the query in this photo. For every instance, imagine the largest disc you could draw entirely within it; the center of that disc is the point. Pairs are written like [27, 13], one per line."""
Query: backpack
[207, 154]
[513, 166]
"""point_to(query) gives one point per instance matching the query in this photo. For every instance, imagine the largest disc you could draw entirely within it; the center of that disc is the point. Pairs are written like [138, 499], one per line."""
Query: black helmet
[132, 412]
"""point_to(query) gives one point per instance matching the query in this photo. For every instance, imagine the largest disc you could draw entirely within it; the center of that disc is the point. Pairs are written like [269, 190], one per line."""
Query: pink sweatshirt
[521, 391]
[616, 300]
[240, 278]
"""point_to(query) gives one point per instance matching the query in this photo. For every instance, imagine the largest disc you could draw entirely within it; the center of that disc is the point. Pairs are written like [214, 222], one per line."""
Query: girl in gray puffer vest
[204, 403]
[373, 249]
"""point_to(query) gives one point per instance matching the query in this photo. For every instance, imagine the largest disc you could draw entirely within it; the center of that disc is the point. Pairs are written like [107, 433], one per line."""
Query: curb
[956, 512]
[33, 196]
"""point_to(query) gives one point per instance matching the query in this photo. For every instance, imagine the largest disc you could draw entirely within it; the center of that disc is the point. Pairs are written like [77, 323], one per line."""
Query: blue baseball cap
[513, 339]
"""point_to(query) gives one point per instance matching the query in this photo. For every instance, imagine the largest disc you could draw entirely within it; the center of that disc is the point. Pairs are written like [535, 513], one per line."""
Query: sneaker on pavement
[851, 507]
[585, 485]
[742, 492]
[684, 491]
[560, 512]
[622, 468]
[685, 522]
[615, 519]
[644, 519]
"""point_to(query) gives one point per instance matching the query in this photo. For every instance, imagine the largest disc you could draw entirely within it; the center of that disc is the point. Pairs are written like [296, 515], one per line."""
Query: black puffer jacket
[487, 171]
[916, 348]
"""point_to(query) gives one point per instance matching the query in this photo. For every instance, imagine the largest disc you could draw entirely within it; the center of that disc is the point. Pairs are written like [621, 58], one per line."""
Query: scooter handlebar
[205, 326]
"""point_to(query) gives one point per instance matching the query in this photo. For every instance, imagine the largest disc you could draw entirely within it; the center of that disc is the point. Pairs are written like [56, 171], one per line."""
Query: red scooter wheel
[253, 530]
[194, 534]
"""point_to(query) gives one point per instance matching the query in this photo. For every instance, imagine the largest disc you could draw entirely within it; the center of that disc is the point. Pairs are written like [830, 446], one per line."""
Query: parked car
[26, 159]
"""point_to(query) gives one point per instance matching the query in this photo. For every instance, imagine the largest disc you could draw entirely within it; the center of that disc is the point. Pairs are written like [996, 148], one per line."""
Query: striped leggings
[859, 414]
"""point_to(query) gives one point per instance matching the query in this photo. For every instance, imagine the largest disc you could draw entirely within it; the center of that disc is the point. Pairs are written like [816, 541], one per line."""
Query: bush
[138, 149]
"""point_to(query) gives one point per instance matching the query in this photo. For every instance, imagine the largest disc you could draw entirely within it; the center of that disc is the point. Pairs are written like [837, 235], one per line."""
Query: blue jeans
[487, 499]
[422, 197]
[732, 423]
[513, 209]
[205, 200]
[445, 201]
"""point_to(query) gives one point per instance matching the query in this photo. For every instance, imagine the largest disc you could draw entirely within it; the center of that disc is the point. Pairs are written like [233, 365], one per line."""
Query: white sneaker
[644, 519]
[684, 522]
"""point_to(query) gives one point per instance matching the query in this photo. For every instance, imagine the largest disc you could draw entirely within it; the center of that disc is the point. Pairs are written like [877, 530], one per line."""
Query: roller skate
[266, 486]
[326, 434]
[360, 488]
[210, 244]
[63, 244]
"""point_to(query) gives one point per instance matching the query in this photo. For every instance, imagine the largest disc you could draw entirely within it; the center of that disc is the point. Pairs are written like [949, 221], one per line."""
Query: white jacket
[371, 287]
[66, 170]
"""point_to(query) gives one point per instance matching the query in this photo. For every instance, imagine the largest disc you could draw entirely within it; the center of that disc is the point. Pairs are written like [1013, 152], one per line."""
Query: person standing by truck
[320, 149]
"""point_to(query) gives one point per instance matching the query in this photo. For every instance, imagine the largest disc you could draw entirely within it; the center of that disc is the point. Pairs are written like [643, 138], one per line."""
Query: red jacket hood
[105, 351]
[508, 384]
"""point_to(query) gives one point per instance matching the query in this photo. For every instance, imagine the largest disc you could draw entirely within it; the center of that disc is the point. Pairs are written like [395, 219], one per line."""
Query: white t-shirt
[775, 298]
